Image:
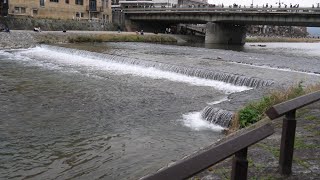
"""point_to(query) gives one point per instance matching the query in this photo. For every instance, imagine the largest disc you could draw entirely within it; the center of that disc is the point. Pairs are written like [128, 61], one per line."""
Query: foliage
[248, 116]
[121, 38]
[255, 111]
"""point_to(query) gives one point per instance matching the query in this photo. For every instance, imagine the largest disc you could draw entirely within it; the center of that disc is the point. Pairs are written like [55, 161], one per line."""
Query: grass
[311, 118]
[299, 143]
[255, 111]
[121, 38]
[275, 151]
[281, 39]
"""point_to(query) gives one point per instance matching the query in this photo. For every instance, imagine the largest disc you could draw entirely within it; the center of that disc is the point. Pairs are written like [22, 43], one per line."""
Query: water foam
[217, 116]
[219, 101]
[195, 121]
[276, 68]
[203, 73]
[97, 63]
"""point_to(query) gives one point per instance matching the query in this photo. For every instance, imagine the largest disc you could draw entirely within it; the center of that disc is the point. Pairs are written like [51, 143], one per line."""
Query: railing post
[240, 165]
[287, 142]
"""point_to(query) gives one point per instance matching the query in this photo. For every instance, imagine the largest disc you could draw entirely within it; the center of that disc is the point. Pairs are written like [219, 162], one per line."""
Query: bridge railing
[219, 9]
[238, 145]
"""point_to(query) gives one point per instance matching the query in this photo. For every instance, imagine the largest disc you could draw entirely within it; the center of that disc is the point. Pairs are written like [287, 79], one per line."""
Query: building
[158, 3]
[58, 9]
[192, 2]
[143, 3]
[277, 31]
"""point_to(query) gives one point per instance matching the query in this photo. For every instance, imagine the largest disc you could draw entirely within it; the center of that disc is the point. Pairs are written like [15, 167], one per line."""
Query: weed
[299, 143]
[301, 162]
[255, 111]
[275, 151]
[311, 118]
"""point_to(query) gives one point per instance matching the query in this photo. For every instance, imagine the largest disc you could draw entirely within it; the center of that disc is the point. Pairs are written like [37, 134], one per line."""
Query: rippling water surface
[77, 116]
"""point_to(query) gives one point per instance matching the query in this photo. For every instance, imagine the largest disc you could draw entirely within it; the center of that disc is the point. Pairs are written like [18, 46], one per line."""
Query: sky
[302, 3]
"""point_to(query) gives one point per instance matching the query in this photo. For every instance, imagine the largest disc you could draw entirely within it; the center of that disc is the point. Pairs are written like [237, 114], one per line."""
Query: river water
[123, 110]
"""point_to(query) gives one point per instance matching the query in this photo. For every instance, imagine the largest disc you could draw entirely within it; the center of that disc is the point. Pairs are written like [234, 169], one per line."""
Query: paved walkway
[263, 156]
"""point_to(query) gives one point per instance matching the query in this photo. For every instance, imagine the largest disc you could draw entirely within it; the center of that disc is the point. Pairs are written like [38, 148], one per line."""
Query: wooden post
[287, 142]
[240, 165]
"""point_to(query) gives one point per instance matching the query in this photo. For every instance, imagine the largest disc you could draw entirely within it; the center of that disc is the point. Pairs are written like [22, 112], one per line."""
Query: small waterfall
[217, 116]
[234, 79]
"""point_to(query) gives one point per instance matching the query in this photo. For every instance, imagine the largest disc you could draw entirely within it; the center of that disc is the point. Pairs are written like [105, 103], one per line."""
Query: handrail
[296, 103]
[226, 10]
[212, 155]
[288, 109]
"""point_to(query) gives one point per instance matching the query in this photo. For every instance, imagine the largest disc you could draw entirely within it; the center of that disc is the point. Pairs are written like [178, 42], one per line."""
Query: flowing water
[123, 110]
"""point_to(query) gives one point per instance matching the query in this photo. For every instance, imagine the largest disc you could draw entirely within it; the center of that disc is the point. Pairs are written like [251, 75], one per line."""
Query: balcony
[94, 9]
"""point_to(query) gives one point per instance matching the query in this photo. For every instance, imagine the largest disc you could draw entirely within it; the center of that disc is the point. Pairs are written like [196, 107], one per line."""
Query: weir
[234, 79]
[211, 114]
[217, 116]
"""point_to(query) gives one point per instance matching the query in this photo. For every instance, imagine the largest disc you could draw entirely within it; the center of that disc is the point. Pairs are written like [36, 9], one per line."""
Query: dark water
[61, 121]
[77, 116]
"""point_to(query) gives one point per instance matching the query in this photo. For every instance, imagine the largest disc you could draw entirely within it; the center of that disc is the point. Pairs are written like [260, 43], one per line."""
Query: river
[123, 110]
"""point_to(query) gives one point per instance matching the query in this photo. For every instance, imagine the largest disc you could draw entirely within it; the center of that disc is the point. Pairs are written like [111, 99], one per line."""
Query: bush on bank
[122, 38]
[255, 111]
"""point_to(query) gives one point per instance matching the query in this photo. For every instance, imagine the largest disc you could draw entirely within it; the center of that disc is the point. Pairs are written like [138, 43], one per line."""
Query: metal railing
[224, 10]
[238, 145]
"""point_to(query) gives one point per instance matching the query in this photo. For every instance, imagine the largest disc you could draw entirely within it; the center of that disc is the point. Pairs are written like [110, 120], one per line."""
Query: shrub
[247, 115]
[255, 111]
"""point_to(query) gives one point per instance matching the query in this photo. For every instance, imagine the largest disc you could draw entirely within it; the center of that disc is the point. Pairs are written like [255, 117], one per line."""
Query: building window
[67, 1]
[41, 2]
[79, 2]
[54, 1]
[23, 10]
[16, 9]
[79, 15]
[35, 12]
[20, 10]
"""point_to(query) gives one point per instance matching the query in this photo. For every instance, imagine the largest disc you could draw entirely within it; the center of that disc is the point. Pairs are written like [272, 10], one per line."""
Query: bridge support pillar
[220, 33]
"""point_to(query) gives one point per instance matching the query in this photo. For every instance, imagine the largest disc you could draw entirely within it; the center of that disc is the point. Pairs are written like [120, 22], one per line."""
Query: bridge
[227, 25]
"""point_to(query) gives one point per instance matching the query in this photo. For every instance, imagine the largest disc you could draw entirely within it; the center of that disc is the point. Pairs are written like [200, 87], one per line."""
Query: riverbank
[25, 39]
[280, 39]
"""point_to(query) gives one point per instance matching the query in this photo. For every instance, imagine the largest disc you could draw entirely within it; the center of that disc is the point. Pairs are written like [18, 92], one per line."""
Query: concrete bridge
[227, 25]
